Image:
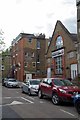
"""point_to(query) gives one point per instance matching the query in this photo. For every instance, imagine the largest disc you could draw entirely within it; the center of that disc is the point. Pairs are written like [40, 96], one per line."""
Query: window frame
[30, 40]
[59, 42]
[33, 63]
[58, 65]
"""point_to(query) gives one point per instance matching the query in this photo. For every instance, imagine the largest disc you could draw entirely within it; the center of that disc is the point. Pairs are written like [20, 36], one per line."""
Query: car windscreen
[68, 83]
[12, 80]
[62, 82]
[34, 82]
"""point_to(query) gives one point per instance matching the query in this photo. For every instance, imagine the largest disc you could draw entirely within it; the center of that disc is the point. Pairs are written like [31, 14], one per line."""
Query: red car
[58, 89]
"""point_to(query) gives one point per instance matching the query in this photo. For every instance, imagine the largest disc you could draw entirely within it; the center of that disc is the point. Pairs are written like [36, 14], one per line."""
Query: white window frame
[58, 61]
[33, 54]
[27, 54]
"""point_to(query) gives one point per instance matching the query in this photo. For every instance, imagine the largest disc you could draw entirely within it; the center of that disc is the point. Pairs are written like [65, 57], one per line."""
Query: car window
[59, 82]
[12, 80]
[68, 83]
[34, 82]
[63, 82]
[49, 81]
[45, 80]
[27, 83]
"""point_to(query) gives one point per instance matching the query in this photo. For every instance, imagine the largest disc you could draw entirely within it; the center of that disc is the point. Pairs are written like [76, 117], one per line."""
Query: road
[15, 104]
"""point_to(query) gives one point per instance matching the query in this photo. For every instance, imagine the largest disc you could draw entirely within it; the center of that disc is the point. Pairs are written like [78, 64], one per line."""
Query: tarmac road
[15, 104]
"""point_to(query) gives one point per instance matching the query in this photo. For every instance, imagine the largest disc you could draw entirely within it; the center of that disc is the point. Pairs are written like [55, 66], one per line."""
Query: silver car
[31, 86]
[11, 82]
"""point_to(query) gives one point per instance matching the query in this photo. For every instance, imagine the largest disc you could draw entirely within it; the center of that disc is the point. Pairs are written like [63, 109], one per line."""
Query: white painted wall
[28, 76]
[48, 72]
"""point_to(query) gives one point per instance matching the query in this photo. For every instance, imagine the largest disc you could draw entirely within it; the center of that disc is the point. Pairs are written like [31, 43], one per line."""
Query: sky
[36, 16]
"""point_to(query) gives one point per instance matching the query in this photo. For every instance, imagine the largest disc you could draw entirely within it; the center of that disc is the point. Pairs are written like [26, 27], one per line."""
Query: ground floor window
[58, 65]
[73, 70]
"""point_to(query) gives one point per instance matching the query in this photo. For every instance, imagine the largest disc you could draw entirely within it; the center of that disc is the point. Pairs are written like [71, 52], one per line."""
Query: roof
[73, 36]
[27, 34]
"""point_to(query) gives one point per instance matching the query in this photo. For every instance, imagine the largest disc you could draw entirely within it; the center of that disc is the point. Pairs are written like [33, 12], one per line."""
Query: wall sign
[57, 53]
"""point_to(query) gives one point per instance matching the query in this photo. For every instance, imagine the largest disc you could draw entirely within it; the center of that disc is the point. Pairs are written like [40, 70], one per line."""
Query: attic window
[59, 42]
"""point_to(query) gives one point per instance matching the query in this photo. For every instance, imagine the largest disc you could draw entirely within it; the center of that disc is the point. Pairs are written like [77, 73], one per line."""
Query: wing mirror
[51, 84]
[27, 84]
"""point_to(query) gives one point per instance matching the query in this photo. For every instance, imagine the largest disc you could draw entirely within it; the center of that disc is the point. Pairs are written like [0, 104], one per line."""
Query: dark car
[58, 89]
[3, 81]
[77, 102]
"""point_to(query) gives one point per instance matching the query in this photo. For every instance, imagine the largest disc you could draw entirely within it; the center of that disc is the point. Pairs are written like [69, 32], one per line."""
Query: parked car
[11, 82]
[31, 86]
[3, 81]
[58, 89]
[77, 102]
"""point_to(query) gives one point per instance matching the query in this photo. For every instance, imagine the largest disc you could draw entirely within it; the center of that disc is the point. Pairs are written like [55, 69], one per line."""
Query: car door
[43, 86]
[26, 86]
[49, 87]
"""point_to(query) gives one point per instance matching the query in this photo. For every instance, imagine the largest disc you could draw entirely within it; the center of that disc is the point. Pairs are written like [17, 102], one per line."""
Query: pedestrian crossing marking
[15, 102]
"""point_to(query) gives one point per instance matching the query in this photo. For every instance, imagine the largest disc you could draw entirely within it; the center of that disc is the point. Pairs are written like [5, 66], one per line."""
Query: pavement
[0, 100]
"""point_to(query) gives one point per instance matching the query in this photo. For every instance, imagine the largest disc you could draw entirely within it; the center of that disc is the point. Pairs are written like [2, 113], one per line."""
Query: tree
[2, 44]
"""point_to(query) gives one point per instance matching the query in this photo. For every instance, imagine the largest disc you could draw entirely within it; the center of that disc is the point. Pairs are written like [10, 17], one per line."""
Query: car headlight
[9, 83]
[62, 91]
[75, 93]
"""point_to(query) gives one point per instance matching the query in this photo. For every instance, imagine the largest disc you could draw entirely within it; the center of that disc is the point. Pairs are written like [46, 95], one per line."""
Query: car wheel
[6, 85]
[55, 99]
[40, 95]
[22, 90]
[78, 107]
[29, 92]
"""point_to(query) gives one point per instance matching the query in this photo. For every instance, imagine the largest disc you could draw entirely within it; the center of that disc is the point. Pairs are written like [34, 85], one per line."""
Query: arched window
[59, 42]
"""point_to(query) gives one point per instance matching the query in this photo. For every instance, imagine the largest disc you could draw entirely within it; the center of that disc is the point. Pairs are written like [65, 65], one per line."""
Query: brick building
[28, 56]
[62, 53]
[78, 33]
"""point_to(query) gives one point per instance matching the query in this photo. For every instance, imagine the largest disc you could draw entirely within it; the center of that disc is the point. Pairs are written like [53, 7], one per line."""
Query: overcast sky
[36, 16]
